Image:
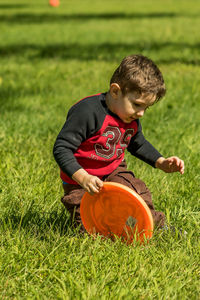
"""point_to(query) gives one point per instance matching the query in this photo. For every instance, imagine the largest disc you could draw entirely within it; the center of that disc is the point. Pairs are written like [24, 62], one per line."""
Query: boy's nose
[140, 113]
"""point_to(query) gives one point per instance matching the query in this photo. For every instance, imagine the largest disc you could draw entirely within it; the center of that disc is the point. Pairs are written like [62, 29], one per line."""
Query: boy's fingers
[92, 190]
[100, 183]
[171, 161]
[175, 161]
[95, 186]
[181, 165]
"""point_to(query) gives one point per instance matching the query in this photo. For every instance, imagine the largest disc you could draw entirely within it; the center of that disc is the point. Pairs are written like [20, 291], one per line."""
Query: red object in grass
[54, 3]
[117, 211]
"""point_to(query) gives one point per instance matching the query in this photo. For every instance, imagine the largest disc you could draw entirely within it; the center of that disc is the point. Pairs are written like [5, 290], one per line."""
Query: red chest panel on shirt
[102, 153]
[107, 145]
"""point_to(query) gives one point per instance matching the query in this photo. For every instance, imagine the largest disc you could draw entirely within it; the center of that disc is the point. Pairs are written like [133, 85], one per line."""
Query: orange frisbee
[117, 211]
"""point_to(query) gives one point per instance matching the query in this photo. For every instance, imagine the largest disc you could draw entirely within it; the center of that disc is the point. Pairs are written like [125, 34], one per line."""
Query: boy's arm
[64, 148]
[82, 121]
[142, 149]
[78, 126]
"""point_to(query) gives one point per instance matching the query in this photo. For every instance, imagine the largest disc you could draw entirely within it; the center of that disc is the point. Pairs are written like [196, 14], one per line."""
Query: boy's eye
[137, 105]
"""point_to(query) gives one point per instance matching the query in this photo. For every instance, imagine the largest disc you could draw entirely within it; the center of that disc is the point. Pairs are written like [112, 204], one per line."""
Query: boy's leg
[71, 201]
[126, 177]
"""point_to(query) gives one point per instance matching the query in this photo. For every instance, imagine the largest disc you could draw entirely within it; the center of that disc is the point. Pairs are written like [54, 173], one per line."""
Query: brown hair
[139, 73]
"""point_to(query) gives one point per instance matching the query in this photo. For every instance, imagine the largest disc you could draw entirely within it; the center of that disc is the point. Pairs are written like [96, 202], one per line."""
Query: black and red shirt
[93, 138]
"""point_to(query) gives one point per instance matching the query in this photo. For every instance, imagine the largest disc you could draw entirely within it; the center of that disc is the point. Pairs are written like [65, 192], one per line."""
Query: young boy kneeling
[90, 147]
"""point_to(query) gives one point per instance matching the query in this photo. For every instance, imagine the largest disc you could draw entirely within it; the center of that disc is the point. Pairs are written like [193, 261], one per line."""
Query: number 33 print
[114, 136]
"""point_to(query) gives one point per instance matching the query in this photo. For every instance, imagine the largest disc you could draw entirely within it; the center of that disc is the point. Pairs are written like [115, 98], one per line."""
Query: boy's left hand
[170, 164]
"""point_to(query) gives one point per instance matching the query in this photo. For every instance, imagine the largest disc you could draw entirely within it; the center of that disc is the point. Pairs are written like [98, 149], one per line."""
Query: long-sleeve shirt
[93, 138]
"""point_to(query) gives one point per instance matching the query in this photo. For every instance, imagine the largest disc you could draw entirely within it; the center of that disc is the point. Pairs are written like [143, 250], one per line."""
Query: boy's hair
[139, 73]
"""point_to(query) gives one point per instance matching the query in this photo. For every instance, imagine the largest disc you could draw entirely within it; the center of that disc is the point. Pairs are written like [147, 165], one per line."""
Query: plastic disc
[117, 211]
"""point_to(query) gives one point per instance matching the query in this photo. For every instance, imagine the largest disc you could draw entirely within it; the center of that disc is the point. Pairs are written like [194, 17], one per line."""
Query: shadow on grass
[37, 223]
[7, 6]
[46, 18]
[104, 51]
[8, 94]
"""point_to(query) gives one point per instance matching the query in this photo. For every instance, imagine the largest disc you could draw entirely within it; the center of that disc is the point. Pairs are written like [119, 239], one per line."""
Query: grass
[50, 58]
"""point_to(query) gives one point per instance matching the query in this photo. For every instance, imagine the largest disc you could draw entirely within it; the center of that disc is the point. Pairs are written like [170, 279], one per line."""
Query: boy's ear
[115, 90]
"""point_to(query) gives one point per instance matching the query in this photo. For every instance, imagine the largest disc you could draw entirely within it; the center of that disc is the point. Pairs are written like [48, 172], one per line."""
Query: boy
[90, 147]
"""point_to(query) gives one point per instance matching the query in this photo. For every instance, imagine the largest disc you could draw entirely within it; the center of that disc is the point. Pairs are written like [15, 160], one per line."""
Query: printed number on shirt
[113, 137]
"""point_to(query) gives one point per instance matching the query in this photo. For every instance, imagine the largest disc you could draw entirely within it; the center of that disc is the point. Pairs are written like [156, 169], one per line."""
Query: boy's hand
[91, 184]
[170, 164]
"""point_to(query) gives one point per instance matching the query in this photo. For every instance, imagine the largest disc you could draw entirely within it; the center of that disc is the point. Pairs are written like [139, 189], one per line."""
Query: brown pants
[74, 193]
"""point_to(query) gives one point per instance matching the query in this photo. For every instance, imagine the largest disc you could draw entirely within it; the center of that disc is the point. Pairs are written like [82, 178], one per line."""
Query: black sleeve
[142, 149]
[80, 124]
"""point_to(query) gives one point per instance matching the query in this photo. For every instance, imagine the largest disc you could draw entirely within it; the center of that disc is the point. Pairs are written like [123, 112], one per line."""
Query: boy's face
[130, 106]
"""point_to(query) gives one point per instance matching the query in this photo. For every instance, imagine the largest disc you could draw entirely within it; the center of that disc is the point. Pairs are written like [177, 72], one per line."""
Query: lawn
[49, 59]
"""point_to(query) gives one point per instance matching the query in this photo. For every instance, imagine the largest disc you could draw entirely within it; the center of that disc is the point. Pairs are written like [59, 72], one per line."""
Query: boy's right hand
[91, 184]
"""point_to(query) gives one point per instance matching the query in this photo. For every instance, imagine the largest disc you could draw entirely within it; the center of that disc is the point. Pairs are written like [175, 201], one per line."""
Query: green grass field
[49, 59]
